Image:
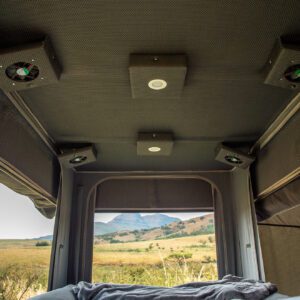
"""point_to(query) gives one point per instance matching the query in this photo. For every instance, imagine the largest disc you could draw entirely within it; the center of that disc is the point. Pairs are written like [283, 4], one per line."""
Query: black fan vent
[22, 72]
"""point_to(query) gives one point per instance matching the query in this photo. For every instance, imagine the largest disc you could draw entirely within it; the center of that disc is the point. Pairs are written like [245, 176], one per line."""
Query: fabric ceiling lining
[224, 98]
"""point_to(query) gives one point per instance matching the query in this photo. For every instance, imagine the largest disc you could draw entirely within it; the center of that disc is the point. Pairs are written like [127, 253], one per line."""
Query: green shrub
[123, 233]
[42, 244]
[114, 241]
[180, 257]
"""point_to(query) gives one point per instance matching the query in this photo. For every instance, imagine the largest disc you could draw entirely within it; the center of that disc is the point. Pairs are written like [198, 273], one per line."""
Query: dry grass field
[166, 262]
[24, 267]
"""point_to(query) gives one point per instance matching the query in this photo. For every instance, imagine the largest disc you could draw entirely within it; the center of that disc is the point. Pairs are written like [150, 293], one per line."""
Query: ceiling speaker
[71, 158]
[157, 76]
[28, 66]
[233, 157]
[284, 66]
[155, 144]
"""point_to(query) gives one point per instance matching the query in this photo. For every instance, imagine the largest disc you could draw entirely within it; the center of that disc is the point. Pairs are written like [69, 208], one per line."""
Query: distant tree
[123, 233]
[114, 241]
[42, 244]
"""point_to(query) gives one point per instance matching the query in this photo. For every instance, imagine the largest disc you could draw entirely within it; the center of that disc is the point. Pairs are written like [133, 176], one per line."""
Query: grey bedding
[231, 290]
[230, 287]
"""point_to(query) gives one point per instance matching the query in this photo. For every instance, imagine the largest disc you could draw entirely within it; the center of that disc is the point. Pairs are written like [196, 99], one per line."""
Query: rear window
[164, 249]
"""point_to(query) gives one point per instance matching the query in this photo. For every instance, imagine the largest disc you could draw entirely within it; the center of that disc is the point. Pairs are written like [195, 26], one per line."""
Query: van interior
[153, 107]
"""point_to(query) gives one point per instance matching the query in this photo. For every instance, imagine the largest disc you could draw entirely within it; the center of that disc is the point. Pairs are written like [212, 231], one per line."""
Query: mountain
[195, 226]
[158, 220]
[132, 221]
[103, 228]
[46, 238]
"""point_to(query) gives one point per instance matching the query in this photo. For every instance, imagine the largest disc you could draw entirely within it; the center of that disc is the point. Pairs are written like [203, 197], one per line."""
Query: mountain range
[128, 221]
[202, 225]
[133, 221]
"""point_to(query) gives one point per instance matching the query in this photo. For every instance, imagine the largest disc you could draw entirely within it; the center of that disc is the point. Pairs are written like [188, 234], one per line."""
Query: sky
[19, 219]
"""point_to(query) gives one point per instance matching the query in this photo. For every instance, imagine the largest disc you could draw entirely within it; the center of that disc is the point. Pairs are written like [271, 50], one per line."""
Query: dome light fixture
[77, 159]
[154, 149]
[157, 84]
[233, 159]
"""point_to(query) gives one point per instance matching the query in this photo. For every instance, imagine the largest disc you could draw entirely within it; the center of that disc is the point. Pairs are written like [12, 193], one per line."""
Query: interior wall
[277, 206]
[62, 243]
[145, 194]
[279, 158]
[280, 250]
[245, 224]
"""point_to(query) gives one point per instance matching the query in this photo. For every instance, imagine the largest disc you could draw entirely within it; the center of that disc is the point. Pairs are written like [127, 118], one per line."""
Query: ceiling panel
[227, 44]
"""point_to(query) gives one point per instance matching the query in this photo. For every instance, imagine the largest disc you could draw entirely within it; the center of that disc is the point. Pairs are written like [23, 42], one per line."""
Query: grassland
[24, 267]
[156, 262]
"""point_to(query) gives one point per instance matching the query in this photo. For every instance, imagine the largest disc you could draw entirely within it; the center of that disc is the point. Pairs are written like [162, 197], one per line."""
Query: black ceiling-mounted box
[157, 76]
[284, 66]
[155, 144]
[233, 157]
[28, 66]
[75, 157]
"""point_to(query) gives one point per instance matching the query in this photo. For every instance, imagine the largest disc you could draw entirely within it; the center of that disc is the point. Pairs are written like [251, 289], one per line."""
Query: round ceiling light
[233, 159]
[78, 159]
[292, 73]
[154, 149]
[157, 84]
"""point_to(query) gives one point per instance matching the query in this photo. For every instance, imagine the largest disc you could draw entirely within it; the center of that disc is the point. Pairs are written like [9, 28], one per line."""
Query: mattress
[66, 293]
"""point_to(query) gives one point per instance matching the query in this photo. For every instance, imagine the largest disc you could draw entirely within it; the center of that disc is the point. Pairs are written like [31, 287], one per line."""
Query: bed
[66, 293]
[228, 288]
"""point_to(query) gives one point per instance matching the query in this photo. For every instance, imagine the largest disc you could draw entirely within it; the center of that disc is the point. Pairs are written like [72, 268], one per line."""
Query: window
[164, 249]
[25, 247]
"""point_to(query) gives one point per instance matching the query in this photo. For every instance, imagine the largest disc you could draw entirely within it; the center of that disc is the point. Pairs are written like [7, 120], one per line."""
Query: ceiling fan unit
[28, 66]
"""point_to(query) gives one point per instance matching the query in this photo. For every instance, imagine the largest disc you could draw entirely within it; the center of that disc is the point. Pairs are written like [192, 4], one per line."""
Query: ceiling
[224, 99]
